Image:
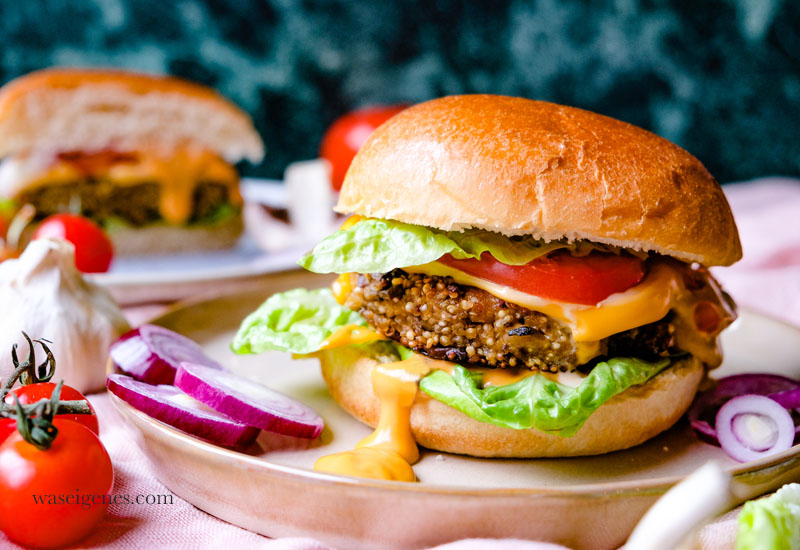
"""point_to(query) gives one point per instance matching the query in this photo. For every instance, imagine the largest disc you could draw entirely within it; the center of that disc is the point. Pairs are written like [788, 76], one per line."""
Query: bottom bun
[169, 239]
[628, 419]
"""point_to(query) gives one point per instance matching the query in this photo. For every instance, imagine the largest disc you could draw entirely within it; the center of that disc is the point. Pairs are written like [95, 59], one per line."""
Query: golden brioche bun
[523, 167]
[630, 418]
[87, 110]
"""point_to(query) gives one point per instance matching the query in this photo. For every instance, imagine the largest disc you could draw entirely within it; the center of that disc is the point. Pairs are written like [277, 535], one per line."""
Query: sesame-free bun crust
[630, 418]
[89, 110]
[523, 167]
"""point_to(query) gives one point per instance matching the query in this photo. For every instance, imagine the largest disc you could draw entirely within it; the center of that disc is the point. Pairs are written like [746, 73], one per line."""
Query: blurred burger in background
[148, 158]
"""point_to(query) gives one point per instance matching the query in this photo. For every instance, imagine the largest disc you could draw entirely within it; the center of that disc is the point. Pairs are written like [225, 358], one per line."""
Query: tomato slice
[559, 276]
[32, 393]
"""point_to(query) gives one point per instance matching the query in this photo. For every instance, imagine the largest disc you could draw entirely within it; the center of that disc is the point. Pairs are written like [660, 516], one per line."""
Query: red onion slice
[248, 402]
[171, 406]
[753, 426]
[152, 354]
[789, 399]
[785, 391]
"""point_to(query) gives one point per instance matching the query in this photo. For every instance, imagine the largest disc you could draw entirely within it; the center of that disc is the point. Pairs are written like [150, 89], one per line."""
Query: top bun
[90, 110]
[523, 167]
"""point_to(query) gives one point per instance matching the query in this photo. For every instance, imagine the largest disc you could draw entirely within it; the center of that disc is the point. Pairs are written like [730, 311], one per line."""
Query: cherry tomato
[7, 427]
[55, 497]
[560, 276]
[93, 250]
[32, 393]
[346, 136]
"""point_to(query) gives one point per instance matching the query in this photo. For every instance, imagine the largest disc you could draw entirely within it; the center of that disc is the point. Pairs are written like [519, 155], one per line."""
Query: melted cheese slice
[350, 335]
[491, 376]
[178, 174]
[644, 303]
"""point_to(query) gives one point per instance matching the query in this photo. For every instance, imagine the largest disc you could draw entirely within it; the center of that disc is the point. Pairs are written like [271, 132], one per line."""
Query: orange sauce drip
[390, 450]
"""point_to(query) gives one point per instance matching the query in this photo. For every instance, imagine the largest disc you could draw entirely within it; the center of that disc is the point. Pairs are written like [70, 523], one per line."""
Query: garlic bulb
[44, 294]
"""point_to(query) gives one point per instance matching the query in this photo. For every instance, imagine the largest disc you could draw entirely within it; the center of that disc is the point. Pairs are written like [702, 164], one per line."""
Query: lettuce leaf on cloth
[537, 401]
[771, 523]
[378, 246]
[297, 321]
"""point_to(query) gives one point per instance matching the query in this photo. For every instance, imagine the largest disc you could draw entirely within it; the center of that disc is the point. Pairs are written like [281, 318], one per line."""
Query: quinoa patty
[136, 204]
[442, 319]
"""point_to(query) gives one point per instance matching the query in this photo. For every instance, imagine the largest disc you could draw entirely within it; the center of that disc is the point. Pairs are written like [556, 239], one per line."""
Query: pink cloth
[181, 526]
[767, 279]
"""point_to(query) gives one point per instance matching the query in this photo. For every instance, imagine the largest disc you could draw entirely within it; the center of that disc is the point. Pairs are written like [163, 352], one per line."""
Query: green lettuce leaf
[378, 246]
[771, 523]
[297, 321]
[537, 401]
[218, 215]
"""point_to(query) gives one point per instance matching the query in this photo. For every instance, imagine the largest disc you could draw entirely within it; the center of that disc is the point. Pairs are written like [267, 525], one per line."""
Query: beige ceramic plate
[580, 502]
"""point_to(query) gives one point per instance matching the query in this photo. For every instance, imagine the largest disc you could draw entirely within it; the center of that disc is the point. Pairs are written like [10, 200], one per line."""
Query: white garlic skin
[44, 294]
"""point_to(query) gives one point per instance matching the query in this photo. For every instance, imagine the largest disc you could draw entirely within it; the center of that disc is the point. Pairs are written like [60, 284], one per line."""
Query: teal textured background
[720, 78]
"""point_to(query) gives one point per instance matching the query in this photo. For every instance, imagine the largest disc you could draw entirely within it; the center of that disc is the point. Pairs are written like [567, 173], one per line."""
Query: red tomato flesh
[559, 276]
[32, 393]
[346, 136]
[7, 427]
[72, 481]
[93, 249]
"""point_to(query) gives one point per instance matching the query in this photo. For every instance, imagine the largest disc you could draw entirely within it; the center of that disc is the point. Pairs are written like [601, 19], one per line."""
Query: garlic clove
[44, 294]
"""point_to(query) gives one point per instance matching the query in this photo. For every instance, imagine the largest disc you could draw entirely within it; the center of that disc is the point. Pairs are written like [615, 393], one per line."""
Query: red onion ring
[739, 420]
[247, 401]
[785, 391]
[152, 354]
[171, 406]
[789, 399]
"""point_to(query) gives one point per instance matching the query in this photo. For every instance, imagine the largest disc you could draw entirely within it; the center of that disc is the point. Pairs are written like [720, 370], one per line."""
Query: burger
[546, 264]
[149, 158]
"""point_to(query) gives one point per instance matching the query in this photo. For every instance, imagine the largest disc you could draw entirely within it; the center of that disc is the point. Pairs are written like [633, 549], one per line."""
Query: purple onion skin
[249, 402]
[789, 399]
[150, 368]
[151, 354]
[734, 443]
[153, 401]
[704, 432]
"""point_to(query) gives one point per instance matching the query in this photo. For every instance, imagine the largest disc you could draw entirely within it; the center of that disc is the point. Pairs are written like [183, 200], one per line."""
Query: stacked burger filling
[442, 319]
